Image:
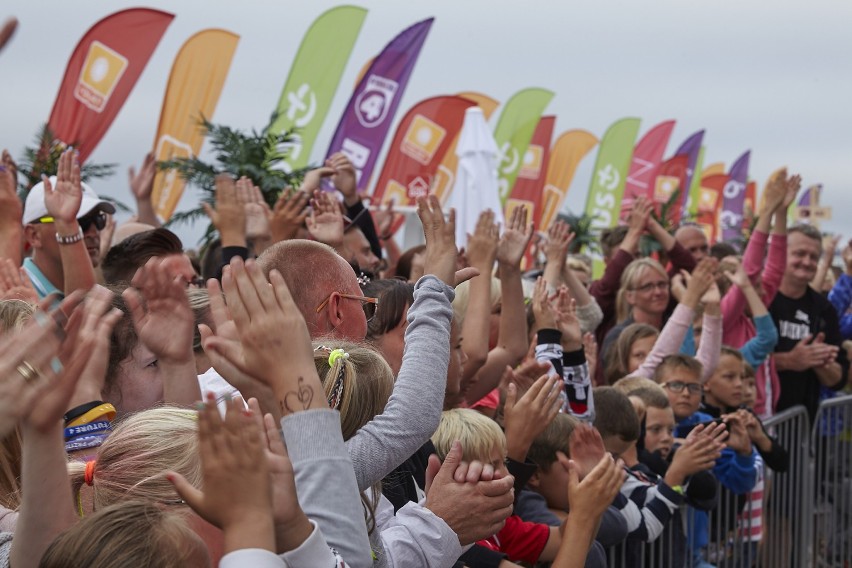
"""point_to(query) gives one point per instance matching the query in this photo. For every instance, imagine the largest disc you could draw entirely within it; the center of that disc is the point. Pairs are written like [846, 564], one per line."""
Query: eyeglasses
[369, 305]
[99, 219]
[678, 386]
[645, 288]
[196, 282]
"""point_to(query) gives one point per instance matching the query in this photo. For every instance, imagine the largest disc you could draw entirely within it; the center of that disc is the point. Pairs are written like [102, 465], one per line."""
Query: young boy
[482, 439]
[687, 468]
[680, 376]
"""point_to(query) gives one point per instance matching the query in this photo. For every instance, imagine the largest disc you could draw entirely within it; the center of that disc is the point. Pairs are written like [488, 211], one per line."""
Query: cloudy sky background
[774, 77]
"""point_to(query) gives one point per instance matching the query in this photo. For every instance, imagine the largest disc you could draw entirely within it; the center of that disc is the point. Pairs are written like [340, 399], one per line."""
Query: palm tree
[584, 234]
[43, 157]
[258, 155]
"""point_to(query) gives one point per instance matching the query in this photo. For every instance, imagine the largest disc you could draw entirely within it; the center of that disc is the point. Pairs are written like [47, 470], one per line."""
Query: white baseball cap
[34, 208]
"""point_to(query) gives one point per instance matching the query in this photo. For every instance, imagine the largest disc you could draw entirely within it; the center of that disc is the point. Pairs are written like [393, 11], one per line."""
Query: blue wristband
[90, 428]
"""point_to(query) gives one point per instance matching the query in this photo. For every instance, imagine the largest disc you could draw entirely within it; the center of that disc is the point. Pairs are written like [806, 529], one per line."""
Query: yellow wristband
[105, 410]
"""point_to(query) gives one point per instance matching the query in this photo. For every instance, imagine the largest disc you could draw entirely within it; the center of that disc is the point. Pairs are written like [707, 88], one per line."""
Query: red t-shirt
[519, 540]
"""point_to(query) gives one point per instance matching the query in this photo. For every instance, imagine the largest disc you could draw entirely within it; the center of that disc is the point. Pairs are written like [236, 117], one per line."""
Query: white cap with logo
[34, 208]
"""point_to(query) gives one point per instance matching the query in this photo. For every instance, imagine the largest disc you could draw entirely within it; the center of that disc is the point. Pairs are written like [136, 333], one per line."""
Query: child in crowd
[681, 375]
[544, 499]
[482, 439]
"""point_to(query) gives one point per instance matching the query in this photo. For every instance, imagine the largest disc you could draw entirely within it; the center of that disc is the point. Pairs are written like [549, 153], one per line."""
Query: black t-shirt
[795, 319]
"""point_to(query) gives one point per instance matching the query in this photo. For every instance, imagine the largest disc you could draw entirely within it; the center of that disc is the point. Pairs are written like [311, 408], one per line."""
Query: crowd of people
[307, 394]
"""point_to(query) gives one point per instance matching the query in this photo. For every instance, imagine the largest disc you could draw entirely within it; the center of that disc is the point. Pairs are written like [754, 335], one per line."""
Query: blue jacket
[841, 298]
[735, 472]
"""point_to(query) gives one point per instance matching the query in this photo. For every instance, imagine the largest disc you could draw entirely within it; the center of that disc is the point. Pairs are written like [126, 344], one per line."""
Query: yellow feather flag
[196, 81]
[571, 147]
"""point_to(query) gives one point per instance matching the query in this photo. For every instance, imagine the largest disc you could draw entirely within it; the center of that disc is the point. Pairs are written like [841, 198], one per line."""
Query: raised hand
[11, 208]
[697, 283]
[325, 223]
[161, 313]
[96, 328]
[565, 311]
[387, 221]
[640, 213]
[30, 360]
[545, 318]
[526, 417]
[228, 215]
[559, 238]
[142, 183]
[236, 493]
[482, 244]
[738, 277]
[524, 376]
[288, 215]
[586, 447]
[516, 237]
[712, 295]
[441, 252]
[63, 201]
[257, 211]
[344, 178]
[271, 329]
[775, 191]
[314, 178]
[15, 284]
[794, 184]
[591, 494]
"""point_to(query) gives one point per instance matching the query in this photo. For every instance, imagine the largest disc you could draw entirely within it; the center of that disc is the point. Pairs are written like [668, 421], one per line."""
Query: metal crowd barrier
[831, 439]
[801, 518]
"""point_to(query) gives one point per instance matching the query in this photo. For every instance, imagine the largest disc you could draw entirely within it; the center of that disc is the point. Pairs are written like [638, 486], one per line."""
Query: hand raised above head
[441, 251]
[516, 237]
[161, 313]
[270, 329]
[142, 183]
[63, 201]
[481, 247]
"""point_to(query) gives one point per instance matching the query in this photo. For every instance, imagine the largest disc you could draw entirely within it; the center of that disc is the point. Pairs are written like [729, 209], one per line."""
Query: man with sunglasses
[62, 221]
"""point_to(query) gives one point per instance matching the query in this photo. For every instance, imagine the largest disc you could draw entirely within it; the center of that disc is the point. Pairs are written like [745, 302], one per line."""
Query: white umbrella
[476, 186]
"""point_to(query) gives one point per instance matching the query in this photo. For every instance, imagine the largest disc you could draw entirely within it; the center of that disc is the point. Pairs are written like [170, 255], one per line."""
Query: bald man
[693, 239]
[323, 285]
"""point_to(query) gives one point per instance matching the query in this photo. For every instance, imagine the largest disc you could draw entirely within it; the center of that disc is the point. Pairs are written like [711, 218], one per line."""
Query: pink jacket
[671, 338]
[738, 326]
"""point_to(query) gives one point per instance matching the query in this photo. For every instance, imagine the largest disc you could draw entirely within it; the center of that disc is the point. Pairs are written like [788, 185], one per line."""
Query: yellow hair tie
[335, 355]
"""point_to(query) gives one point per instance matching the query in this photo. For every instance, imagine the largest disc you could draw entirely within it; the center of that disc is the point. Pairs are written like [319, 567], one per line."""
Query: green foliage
[255, 154]
[43, 158]
[666, 218]
[586, 238]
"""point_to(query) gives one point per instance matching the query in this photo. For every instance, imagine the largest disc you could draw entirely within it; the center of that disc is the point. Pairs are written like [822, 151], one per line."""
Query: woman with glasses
[639, 348]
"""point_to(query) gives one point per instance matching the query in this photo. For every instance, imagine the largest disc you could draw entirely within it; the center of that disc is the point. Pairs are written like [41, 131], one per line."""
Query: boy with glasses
[680, 376]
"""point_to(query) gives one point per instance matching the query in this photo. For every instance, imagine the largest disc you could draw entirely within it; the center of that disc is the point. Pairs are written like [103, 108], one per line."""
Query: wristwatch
[70, 239]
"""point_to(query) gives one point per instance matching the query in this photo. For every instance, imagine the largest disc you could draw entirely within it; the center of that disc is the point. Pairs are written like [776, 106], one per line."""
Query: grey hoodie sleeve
[325, 482]
[414, 408]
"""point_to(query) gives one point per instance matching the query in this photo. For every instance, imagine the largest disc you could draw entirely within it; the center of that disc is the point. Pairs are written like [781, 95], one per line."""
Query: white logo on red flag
[422, 139]
[101, 72]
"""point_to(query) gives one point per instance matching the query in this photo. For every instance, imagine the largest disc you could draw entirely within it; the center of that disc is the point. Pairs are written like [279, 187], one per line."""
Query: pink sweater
[671, 338]
[738, 326]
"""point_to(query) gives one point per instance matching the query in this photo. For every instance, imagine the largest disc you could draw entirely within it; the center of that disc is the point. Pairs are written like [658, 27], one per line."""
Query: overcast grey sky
[771, 76]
